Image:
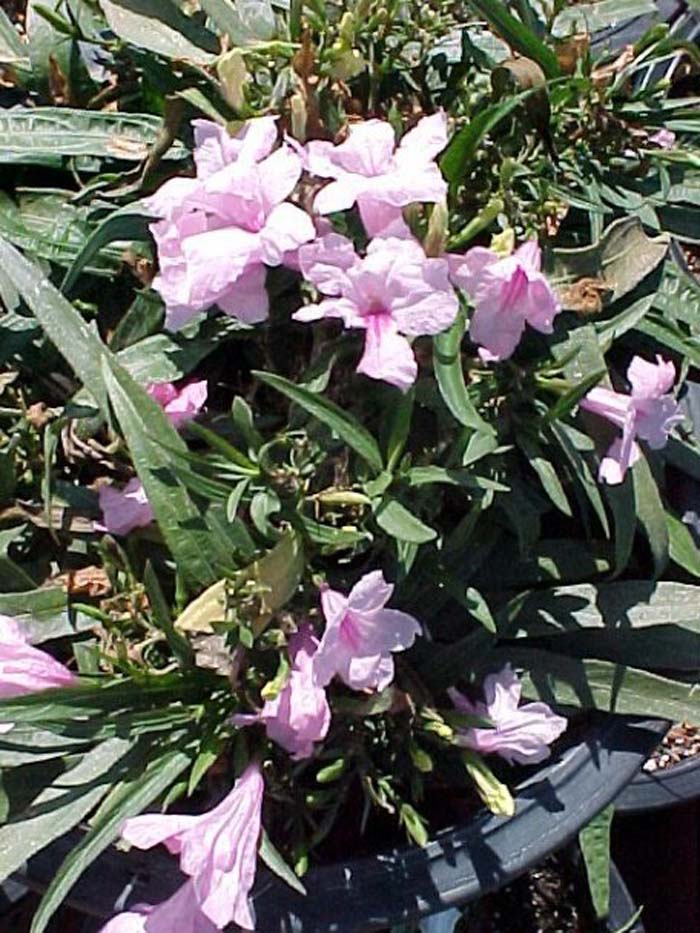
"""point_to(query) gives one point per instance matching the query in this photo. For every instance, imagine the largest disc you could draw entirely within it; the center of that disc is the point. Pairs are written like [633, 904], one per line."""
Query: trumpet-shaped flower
[649, 413]
[180, 405]
[360, 635]
[394, 292]
[124, 509]
[218, 849]
[180, 912]
[521, 734]
[299, 715]
[370, 170]
[508, 293]
[220, 230]
[24, 668]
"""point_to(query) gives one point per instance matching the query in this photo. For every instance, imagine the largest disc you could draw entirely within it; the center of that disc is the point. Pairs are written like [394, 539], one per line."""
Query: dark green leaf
[42, 134]
[344, 425]
[651, 514]
[126, 799]
[396, 520]
[594, 840]
[517, 35]
[682, 547]
[61, 806]
[161, 27]
[447, 359]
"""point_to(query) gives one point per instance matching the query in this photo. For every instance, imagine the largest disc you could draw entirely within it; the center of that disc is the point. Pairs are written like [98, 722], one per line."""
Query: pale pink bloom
[25, 669]
[649, 413]
[179, 404]
[360, 635]
[664, 139]
[223, 228]
[218, 849]
[179, 913]
[370, 170]
[299, 715]
[124, 509]
[507, 293]
[521, 734]
[394, 292]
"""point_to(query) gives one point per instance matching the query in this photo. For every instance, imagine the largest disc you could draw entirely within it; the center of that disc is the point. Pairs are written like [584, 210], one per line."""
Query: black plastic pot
[553, 802]
[622, 906]
[667, 787]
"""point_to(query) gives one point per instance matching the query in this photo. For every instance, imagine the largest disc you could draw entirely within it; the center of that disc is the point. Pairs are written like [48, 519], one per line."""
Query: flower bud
[436, 238]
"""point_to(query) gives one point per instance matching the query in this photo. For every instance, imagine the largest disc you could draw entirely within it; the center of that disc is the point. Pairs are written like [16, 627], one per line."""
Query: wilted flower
[299, 715]
[649, 413]
[521, 733]
[218, 849]
[370, 170]
[394, 292]
[508, 293]
[361, 634]
[124, 509]
[180, 912]
[25, 669]
[221, 229]
[180, 405]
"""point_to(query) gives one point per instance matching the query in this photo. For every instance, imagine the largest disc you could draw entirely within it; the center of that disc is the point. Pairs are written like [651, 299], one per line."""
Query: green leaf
[517, 35]
[396, 520]
[50, 227]
[12, 50]
[201, 556]
[245, 22]
[79, 343]
[462, 148]
[344, 425]
[127, 799]
[622, 502]
[594, 17]
[44, 613]
[594, 840]
[447, 359]
[546, 472]
[479, 609]
[682, 547]
[619, 261]
[41, 135]
[274, 861]
[557, 679]
[161, 27]
[651, 514]
[130, 223]
[61, 806]
[573, 444]
[160, 612]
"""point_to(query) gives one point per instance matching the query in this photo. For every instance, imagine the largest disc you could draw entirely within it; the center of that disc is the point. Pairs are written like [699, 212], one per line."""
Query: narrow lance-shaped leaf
[345, 426]
[125, 800]
[201, 556]
[61, 806]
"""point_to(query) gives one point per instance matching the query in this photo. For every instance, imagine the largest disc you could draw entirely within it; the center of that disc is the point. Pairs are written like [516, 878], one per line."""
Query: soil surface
[681, 742]
[552, 898]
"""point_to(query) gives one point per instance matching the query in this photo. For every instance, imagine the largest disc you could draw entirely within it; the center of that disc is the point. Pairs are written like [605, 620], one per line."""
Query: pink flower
[180, 912]
[218, 849]
[361, 634]
[223, 228]
[522, 734]
[25, 669]
[649, 413]
[180, 405]
[124, 509]
[370, 170]
[299, 715]
[507, 294]
[394, 292]
[664, 139]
